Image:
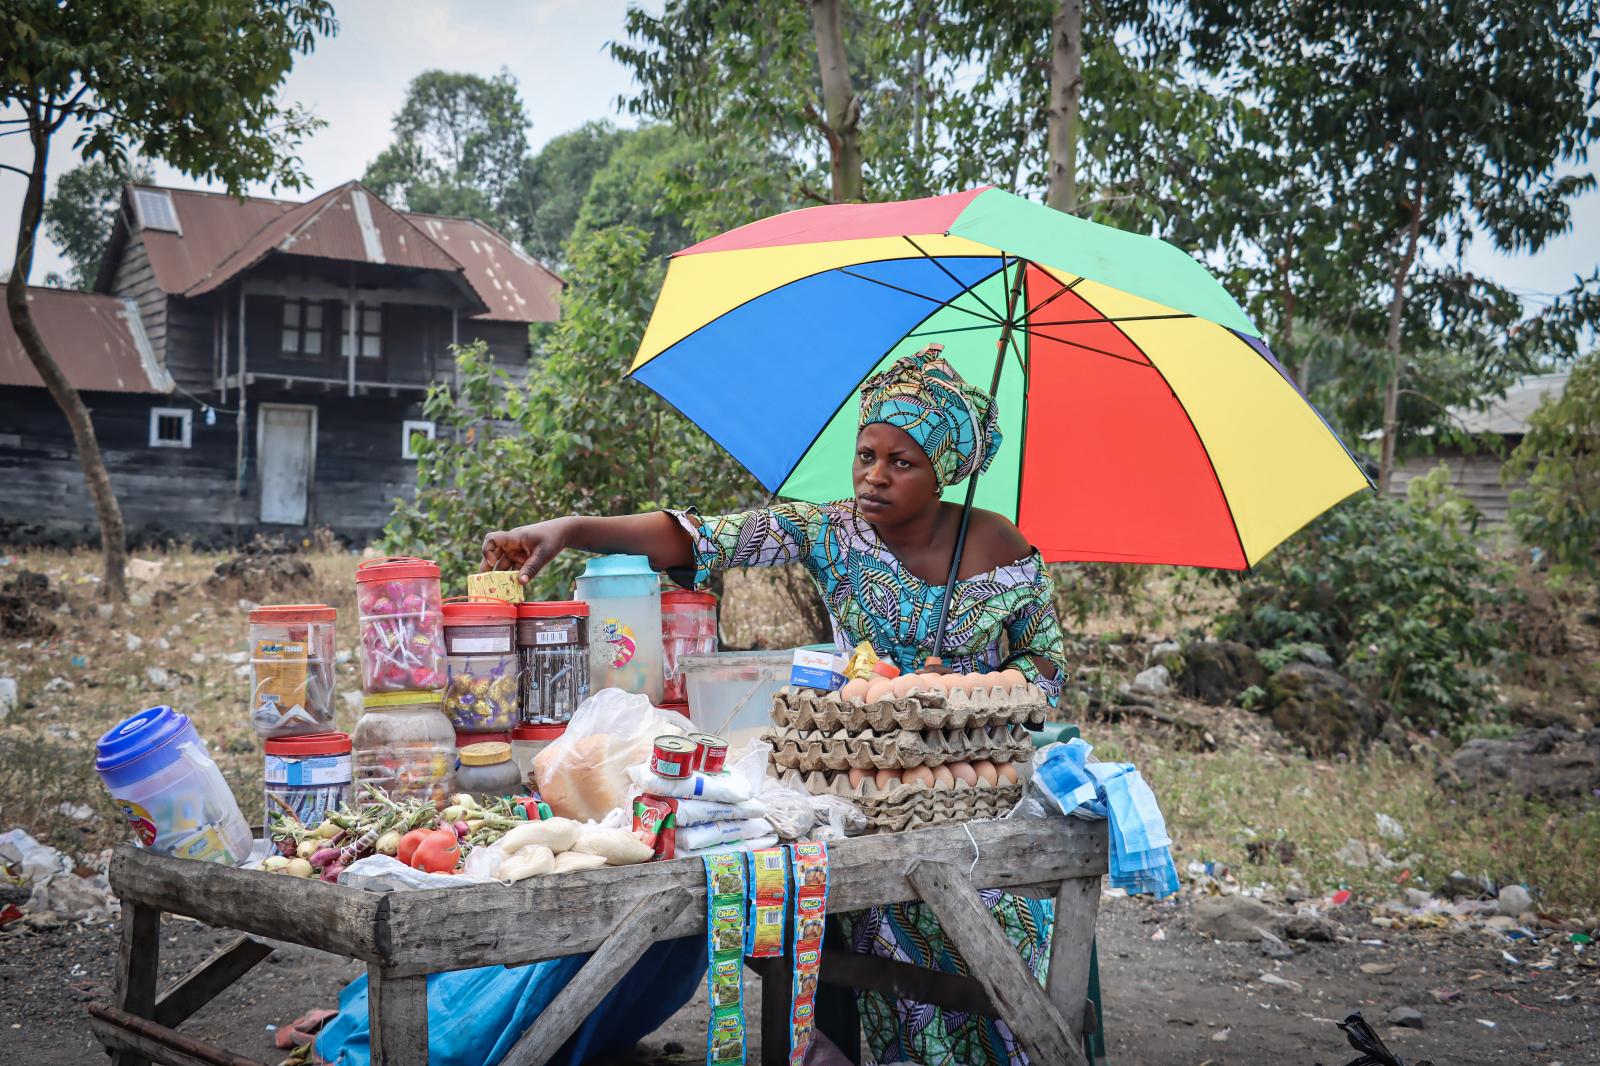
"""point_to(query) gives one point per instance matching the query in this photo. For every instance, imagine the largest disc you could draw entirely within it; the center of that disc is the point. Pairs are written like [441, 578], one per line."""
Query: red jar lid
[538, 733]
[687, 598]
[289, 613]
[395, 566]
[553, 609]
[309, 745]
[463, 739]
[466, 610]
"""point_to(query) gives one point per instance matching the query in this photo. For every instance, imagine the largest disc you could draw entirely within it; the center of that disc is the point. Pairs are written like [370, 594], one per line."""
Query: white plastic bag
[379, 872]
[789, 811]
[584, 774]
[710, 834]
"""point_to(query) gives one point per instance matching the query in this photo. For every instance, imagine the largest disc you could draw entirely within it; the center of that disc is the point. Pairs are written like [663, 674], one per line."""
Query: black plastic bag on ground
[1365, 1040]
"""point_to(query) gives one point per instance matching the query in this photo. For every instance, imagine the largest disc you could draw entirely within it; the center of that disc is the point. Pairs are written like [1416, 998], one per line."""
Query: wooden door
[286, 455]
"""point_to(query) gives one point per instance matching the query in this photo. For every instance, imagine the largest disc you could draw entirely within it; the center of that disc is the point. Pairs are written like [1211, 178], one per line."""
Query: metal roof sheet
[516, 286]
[96, 339]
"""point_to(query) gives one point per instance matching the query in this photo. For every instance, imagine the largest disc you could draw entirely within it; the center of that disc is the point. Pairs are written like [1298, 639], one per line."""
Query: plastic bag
[841, 817]
[697, 812]
[740, 781]
[584, 774]
[379, 872]
[790, 812]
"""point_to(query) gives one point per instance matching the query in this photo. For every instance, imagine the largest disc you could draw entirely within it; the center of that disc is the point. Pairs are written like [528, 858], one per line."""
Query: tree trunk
[839, 102]
[1397, 303]
[1066, 92]
[112, 540]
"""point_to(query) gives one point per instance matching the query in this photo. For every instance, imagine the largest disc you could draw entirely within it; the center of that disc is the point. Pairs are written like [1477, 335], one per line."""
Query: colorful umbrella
[1144, 419]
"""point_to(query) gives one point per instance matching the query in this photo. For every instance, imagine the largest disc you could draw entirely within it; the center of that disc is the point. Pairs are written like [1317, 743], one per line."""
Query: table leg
[1071, 941]
[397, 1012]
[137, 966]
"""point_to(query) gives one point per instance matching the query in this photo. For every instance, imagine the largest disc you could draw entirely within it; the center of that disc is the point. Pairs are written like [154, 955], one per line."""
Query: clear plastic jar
[291, 669]
[402, 645]
[404, 745]
[306, 777]
[487, 772]
[688, 627]
[481, 660]
[553, 642]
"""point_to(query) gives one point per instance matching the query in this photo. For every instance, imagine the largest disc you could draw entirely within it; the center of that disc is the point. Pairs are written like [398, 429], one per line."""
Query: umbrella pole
[972, 482]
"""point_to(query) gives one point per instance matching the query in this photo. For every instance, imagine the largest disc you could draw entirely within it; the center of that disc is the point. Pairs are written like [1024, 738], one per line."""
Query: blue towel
[1141, 850]
[475, 1016]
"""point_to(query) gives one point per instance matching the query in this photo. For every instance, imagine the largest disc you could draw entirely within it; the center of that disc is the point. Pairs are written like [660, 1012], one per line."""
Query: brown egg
[986, 772]
[856, 776]
[943, 778]
[904, 685]
[918, 775]
[1007, 772]
[887, 779]
[964, 771]
[880, 689]
[854, 691]
[1012, 677]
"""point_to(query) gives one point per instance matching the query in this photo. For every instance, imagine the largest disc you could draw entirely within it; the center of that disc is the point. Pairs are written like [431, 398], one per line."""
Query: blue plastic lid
[154, 731]
[619, 575]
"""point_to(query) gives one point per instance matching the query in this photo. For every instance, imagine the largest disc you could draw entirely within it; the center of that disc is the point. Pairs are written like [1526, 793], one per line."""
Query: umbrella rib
[921, 296]
[965, 289]
[1110, 318]
[955, 329]
[1066, 287]
[1086, 347]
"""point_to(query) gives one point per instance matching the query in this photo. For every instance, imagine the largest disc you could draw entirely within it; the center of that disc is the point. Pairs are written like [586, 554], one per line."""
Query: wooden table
[615, 913]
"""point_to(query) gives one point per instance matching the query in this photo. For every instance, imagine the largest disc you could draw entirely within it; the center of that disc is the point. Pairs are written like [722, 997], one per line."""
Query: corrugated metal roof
[222, 236]
[96, 339]
[1510, 415]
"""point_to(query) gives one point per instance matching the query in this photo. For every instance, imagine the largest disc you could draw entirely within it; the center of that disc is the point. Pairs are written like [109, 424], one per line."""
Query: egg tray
[902, 807]
[1019, 705]
[796, 749]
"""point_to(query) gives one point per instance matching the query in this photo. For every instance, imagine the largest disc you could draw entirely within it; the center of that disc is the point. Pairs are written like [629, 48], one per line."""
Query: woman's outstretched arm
[528, 549]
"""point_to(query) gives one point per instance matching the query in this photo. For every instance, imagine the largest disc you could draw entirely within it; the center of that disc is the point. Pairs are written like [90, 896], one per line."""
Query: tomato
[438, 853]
[408, 844]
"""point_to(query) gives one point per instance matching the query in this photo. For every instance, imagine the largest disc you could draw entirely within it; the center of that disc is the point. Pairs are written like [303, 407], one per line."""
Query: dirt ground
[1181, 1000]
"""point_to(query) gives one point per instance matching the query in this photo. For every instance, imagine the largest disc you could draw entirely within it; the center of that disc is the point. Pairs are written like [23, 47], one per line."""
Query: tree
[460, 142]
[1066, 93]
[1559, 508]
[552, 186]
[193, 82]
[79, 216]
[841, 107]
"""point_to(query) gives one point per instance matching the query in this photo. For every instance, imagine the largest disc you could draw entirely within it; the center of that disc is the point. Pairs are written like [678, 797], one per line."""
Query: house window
[410, 431]
[302, 328]
[369, 331]
[170, 427]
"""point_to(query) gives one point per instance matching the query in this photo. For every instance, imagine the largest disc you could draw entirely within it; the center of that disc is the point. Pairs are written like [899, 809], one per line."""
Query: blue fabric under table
[476, 1016]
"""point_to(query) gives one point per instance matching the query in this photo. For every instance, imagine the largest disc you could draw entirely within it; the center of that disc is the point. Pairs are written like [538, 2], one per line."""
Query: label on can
[672, 757]
[711, 752]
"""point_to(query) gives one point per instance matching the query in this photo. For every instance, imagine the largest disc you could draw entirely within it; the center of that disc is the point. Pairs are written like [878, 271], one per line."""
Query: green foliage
[79, 216]
[554, 183]
[460, 141]
[1396, 590]
[1559, 509]
[577, 438]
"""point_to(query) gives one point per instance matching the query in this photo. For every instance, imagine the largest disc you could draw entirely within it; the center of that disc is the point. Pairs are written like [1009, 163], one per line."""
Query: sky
[556, 49]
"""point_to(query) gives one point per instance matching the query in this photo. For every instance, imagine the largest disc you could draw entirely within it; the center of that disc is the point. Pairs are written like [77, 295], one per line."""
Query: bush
[1395, 591]
[1559, 509]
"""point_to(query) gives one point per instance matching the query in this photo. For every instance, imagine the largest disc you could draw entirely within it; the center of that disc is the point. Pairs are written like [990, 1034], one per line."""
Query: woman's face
[893, 478]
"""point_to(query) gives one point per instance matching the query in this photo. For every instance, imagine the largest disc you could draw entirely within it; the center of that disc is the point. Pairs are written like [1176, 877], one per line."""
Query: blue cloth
[1141, 850]
[475, 1016]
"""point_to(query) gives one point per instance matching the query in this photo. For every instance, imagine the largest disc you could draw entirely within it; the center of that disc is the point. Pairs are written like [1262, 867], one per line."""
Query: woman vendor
[880, 561]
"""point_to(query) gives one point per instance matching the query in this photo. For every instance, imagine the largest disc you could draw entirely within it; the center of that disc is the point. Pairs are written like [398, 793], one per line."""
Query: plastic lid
[884, 668]
[553, 609]
[618, 566]
[395, 566]
[488, 754]
[137, 736]
[409, 698]
[465, 610]
[309, 745]
[464, 738]
[293, 612]
[687, 598]
[539, 733]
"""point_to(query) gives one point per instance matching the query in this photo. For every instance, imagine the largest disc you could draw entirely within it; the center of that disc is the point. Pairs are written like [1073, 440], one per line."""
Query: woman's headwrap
[956, 424]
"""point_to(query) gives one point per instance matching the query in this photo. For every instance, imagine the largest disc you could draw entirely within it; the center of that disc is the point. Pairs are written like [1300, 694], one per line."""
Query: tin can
[673, 757]
[711, 752]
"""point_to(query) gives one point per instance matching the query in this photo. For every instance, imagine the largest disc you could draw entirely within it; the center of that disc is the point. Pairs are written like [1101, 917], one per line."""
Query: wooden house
[257, 365]
[1475, 465]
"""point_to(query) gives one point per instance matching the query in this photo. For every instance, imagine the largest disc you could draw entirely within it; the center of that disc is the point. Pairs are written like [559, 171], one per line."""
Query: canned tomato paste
[711, 752]
[673, 757]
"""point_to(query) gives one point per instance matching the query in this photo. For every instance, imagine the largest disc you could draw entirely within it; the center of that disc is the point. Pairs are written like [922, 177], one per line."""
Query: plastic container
[733, 690]
[291, 669]
[624, 598]
[159, 775]
[527, 741]
[488, 772]
[404, 745]
[465, 738]
[402, 640]
[688, 627]
[307, 777]
[553, 644]
[480, 643]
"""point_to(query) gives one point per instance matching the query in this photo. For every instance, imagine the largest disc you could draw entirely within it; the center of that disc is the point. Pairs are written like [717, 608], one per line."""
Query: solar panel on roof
[156, 210]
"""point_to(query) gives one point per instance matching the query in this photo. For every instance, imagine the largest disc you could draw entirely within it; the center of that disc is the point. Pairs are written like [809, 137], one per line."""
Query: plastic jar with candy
[404, 745]
[688, 627]
[553, 641]
[291, 669]
[402, 643]
[480, 643]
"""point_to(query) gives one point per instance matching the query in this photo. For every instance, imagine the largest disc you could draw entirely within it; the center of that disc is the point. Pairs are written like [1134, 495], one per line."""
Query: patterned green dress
[1003, 616]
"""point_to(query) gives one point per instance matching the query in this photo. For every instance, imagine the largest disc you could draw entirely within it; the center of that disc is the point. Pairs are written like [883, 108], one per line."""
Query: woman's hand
[526, 549]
